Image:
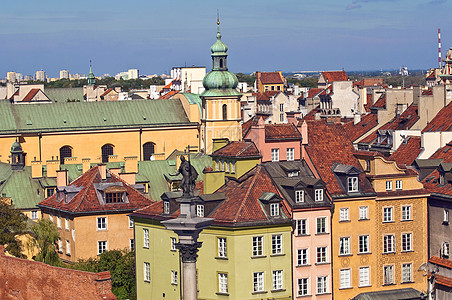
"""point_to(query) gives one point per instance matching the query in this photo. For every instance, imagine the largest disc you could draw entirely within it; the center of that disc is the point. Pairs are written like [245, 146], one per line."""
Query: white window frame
[322, 285]
[166, 207]
[445, 251]
[364, 244]
[290, 153]
[398, 184]
[174, 280]
[59, 222]
[258, 245]
[222, 247]
[303, 286]
[66, 223]
[68, 247]
[344, 214]
[60, 245]
[232, 167]
[364, 276]
[102, 246]
[323, 228]
[34, 214]
[132, 244]
[277, 244]
[318, 195]
[101, 223]
[389, 185]
[302, 227]
[388, 214]
[223, 283]
[389, 243]
[344, 245]
[147, 272]
[274, 209]
[258, 282]
[173, 242]
[275, 154]
[407, 241]
[364, 212]
[200, 210]
[407, 272]
[131, 223]
[388, 274]
[352, 184]
[303, 257]
[446, 216]
[322, 255]
[299, 196]
[406, 213]
[146, 238]
[277, 278]
[344, 278]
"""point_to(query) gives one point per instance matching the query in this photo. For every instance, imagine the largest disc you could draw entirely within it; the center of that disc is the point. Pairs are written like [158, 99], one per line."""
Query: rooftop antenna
[439, 47]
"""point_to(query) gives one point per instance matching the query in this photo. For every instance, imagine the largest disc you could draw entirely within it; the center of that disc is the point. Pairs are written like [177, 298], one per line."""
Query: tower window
[107, 150]
[65, 151]
[221, 63]
[225, 112]
[148, 151]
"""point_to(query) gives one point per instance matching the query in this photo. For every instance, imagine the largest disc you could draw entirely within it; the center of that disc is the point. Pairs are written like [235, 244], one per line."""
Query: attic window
[292, 174]
[166, 207]
[274, 209]
[352, 184]
[114, 197]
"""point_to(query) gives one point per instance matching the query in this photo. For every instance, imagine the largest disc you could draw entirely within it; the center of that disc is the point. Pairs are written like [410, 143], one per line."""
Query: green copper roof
[65, 94]
[194, 99]
[76, 116]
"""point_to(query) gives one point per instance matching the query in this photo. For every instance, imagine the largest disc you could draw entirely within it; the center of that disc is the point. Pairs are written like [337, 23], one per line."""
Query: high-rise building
[64, 74]
[11, 76]
[40, 75]
[132, 74]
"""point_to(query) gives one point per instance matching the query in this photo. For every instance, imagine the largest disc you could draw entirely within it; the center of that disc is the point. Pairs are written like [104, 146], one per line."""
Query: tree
[44, 238]
[12, 224]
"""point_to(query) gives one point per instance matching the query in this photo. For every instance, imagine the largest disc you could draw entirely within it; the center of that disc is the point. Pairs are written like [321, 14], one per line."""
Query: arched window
[148, 150]
[106, 151]
[65, 151]
[225, 112]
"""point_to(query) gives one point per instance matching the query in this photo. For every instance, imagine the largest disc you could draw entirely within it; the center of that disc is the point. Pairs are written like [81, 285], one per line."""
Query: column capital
[188, 252]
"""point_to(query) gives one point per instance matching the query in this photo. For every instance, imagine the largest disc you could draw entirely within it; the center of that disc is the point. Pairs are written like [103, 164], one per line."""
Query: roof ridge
[247, 194]
[86, 188]
[243, 149]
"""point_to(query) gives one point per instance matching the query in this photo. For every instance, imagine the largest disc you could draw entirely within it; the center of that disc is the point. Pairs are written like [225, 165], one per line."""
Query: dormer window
[274, 209]
[319, 195]
[299, 196]
[200, 210]
[352, 184]
[166, 207]
[292, 174]
[115, 197]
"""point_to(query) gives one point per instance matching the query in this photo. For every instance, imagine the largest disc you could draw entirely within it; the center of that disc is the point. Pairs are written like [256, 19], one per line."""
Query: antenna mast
[439, 48]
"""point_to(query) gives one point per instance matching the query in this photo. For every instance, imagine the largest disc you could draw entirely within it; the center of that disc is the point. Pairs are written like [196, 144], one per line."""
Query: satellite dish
[422, 267]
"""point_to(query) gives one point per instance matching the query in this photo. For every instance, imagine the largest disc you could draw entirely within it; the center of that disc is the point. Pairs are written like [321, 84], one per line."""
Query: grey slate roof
[399, 294]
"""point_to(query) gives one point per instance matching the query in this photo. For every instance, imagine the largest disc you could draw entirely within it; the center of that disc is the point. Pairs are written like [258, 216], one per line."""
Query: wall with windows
[440, 232]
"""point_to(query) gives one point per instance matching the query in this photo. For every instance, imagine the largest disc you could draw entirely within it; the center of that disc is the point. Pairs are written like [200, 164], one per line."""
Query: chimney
[292, 117]
[128, 177]
[36, 169]
[115, 171]
[219, 143]
[62, 179]
[356, 119]
[304, 133]
[52, 167]
[131, 164]
[103, 171]
[213, 180]
[86, 165]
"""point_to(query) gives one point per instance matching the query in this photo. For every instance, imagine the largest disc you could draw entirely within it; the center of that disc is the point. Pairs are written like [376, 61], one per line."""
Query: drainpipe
[141, 132]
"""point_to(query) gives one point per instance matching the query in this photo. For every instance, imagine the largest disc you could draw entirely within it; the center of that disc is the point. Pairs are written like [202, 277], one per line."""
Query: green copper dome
[220, 82]
[16, 147]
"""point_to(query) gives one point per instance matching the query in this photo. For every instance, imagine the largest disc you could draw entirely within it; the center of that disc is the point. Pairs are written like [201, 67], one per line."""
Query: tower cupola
[17, 156]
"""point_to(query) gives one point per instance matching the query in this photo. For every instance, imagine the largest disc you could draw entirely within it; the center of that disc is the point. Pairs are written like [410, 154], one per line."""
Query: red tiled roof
[408, 151]
[30, 95]
[354, 131]
[369, 82]
[266, 95]
[431, 183]
[443, 153]
[331, 76]
[252, 121]
[443, 280]
[431, 76]
[381, 102]
[87, 200]
[309, 116]
[329, 144]
[238, 149]
[106, 92]
[271, 77]
[327, 91]
[441, 261]
[314, 91]
[168, 95]
[442, 121]
[428, 92]
[281, 132]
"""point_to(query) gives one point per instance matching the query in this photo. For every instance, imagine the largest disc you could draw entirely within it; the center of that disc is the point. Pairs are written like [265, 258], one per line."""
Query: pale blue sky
[154, 36]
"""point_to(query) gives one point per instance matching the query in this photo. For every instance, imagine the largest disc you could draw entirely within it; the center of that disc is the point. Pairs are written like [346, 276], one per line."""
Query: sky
[263, 35]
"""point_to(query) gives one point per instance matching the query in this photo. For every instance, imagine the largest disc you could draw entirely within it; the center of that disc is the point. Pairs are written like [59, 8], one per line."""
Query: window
[34, 214]
[352, 184]
[132, 244]
[223, 283]
[106, 150]
[130, 222]
[59, 222]
[302, 257]
[363, 241]
[101, 247]
[445, 250]
[227, 166]
[321, 225]
[344, 245]
[388, 185]
[290, 154]
[398, 184]
[406, 213]
[319, 195]
[258, 245]
[148, 151]
[60, 246]
[258, 281]
[446, 216]
[302, 227]
[274, 209]
[344, 278]
[173, 244]
[222, 248]
[406, 273]
[363, 212]
[65, 151]
[299, 196]
[344, 214]
[146, 238]
[173, 277]
[387, 214]
[388, 244]
[50, 192]
[322, 284]
[364, 276]
[321, 254]
[276, 244]
[278, 87]
[281, 107]
[66, 223]
[292, 174]
[68, 247]
[101, 223]
[233, 167]
[406, 241]
[275, 154]
[225, 112]
[281, 117]
[147, 272]
[277, 280]
[200, 210]
[116, 197]
[302, 286]
[388, 274]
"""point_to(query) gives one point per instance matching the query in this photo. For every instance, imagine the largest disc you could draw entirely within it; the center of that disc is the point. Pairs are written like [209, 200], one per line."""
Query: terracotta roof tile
[252, 121]
[238, 149]
[444, 153]
[106, 92]
[431, 76]
[281, 132]
[30, 95]
[443, 280]
[331, 76]
[354, 131]
[441, 261]
[431, 183]
[381, 102]
[442, 121]
[86, 200]
[169, 95]
[408, 151]
[369, 82]
[314, 91]
[271, 77]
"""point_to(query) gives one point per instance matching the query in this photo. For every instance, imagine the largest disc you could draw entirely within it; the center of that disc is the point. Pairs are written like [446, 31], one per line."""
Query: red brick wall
[25, 279]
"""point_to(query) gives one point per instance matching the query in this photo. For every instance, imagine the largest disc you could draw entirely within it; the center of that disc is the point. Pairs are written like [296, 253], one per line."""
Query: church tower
[220, 100]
